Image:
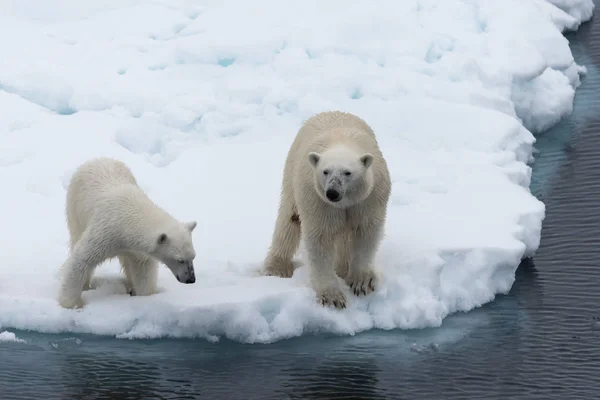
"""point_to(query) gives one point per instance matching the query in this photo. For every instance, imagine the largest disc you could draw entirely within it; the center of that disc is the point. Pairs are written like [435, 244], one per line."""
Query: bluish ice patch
[65, 110]
[226, 62]
[356, 94]
[58, 105]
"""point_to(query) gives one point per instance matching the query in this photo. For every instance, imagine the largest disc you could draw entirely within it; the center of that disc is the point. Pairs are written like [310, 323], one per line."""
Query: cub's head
[343, 177]
[174, 248]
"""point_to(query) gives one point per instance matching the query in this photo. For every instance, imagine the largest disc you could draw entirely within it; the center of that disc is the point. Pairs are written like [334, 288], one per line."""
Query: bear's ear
[366, 160]
[190, 225]
[314, 158]
[162, 238]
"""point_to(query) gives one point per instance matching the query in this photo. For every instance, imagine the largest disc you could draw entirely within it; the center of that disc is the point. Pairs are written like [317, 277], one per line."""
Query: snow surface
[203, 99]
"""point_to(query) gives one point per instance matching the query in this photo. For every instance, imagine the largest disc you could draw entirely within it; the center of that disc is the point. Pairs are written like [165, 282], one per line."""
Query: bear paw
[361, 282]
[129, 288]
[70, 302]
[142, 291]
[332, 296]
[280, 268]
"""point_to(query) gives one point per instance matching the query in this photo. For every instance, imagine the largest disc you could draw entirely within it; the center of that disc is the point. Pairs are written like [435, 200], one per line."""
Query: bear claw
[332, 297]
[362, 283]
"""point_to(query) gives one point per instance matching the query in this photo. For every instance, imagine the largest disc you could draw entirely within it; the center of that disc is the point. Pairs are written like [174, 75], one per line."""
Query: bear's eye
[347, 173]
[180, 260]
[326, 172]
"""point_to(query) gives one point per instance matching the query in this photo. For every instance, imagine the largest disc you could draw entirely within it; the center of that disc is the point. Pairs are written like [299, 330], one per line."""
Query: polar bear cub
[109, 216]
[336, 186]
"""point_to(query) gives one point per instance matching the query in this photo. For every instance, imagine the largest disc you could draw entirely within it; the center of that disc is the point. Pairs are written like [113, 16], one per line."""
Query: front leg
[78, 268]
[90, 250]
[75, 272]
[361, 275]
[321, 253]
[343, 247]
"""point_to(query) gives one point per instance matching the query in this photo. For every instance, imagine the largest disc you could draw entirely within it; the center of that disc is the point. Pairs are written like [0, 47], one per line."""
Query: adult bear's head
[343, 176]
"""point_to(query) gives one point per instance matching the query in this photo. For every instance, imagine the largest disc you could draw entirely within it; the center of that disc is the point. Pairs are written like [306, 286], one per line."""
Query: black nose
[332, 195]
[191, 279]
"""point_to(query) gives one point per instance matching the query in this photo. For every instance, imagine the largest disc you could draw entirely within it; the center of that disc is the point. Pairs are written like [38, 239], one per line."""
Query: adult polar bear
[336, 186]
[108, 216]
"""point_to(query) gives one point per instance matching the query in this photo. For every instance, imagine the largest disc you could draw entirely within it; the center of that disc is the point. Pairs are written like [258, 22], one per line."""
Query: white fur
[109, 216]
[341, 237]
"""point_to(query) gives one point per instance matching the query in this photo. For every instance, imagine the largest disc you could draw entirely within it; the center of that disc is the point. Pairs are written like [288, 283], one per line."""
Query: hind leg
[285, 242]
[141, 273]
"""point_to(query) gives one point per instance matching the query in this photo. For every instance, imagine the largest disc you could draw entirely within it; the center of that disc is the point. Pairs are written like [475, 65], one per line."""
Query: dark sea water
[541, 341]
